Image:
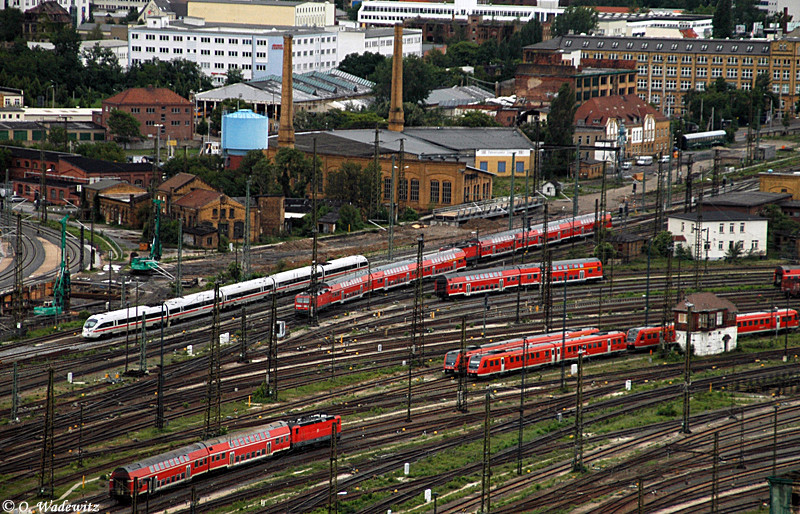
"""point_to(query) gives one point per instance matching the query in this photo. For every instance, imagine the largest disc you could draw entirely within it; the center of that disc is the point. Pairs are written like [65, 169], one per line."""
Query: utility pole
[461, 396]
[333, 487]
[576, 193]
[179, 273]
[715, 474]
[547, 278]
[14, 394]
[486, 475]
[647, 285]
[160, 392]
[511, 197]
[715, 174]
[243, 337]
[43, 180]
[522, 405]
[687, 370]
[376, 164]
[19, 314]
[246, 247]
[314, 269]
[698, 243]
[666, 312]
[391, 213]
[564, 337]
[419, 311]
[272, 358]
[143, 348]
[577, 462]
[46, 479]
[213, 391]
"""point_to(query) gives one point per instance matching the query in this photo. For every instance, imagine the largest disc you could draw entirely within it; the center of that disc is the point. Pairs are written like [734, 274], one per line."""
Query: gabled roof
[147, 95]
[198, 198]
[177, 182]
[629, 108]
[704, 302]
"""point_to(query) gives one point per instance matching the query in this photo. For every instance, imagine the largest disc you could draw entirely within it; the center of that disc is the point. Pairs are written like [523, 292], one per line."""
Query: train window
[183, 476]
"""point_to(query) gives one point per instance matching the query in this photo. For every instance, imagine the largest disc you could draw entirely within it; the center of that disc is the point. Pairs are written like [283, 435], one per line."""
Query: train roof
[246, 285]
[229, 438]
[701, 135]
[473, 273]
[311, 419]
[180, 454]
[136, 310]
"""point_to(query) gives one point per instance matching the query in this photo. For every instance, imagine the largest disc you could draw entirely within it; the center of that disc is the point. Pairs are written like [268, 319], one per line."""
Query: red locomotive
[542, 354]
[179, 466]
[769, 321]
[452, 359]
[499, 279]
[381, 278]
[645, 337]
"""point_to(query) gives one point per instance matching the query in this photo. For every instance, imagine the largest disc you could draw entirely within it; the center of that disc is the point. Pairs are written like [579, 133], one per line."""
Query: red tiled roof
[147, 95]
[597, 111]
[689, 33]
[198, 198]
[611, 9]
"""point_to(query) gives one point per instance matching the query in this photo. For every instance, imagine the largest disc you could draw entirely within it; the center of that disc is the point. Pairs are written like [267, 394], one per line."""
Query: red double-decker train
[543, 354]
[500, 279]
[168, 470]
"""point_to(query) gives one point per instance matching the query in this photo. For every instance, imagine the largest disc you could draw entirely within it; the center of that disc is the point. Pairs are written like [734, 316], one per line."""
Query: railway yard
[608, 439]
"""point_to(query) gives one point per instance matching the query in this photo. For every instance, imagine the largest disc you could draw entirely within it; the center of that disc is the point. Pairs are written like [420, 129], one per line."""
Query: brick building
[176, 187]
[201, 207]
[47, 18]
[152, 107]
[599, 120]
[541, 74]
[475, 29]
[117, 201]
[668, 68]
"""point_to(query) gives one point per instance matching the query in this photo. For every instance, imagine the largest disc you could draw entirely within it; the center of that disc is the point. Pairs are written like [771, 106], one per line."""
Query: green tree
[559, 129]
[353, 185]
[350, 219]
[419, 79]
[181, 76]
[123, 126]
[234, 76]
[202, 127]
[662, 244]
[57, 137]
[734, 252]
[604, 252]
[10, 24]
[476, 119]
[722, 22]
[361, 65]
[578, 19]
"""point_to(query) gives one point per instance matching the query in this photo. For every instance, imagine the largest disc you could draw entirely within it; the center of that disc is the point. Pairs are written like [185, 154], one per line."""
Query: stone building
[710, 320]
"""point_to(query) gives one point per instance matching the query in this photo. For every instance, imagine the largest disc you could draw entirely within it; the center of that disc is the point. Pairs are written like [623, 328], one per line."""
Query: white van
[644, 160]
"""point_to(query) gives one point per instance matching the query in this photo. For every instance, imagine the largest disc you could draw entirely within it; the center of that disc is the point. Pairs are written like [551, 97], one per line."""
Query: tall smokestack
[286, 127]
[396, 117]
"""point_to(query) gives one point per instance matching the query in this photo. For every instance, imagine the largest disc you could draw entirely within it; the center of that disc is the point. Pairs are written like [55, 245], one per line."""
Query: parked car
[626, 165]
[644, 160]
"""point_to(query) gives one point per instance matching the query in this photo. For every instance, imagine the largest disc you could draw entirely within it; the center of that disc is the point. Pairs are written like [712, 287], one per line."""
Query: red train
[381, 278]
[222, 453]
[452, 359]
[645, 337]
[520, 239]
[746, 323]
[499, 279]
[769, 321]
[542, 354]
[782, 272]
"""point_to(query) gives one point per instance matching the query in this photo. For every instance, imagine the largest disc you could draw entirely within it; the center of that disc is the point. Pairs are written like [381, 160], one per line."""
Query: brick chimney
[286, 127]
[396, 116]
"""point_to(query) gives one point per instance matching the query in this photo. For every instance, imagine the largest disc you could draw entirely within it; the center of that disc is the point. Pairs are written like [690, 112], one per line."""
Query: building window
[213, 213]
[434, 191]
[484, 165]
[414, 190]
[721, 228]
[731, 228]
[501, 167]
[387, 188]
[754, 245]
[741, 228]
[446, 192]
[721, 246]
[520, 167]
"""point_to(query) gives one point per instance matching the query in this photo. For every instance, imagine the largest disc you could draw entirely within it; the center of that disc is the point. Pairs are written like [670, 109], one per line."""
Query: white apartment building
[391, 12]
[256, 50]
[652, 24]
[23, 5]
[719, 231]
[377, 40]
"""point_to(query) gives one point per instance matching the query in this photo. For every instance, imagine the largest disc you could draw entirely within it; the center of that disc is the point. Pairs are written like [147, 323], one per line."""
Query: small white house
[719, 231]
[551, 188]
[708, 321]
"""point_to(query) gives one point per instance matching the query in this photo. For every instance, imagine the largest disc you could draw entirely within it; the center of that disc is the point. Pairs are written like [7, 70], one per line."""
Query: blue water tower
[243, 131]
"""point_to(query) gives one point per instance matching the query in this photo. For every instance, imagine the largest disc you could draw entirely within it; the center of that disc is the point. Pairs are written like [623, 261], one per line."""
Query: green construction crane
[150, 263]
[62, 286]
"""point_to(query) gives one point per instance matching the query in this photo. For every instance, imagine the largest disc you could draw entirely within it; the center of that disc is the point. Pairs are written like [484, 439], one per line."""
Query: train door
[469, 288]
[230, 458]
[152, 484]
[269, 447]
[501, 284]
[502, 364]
[188, 472]
[582, 274]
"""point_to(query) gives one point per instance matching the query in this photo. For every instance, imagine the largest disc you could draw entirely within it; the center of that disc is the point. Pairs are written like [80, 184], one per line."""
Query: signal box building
[710, 320]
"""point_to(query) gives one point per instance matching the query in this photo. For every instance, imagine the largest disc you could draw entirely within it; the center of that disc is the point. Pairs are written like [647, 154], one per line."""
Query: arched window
[434, 191]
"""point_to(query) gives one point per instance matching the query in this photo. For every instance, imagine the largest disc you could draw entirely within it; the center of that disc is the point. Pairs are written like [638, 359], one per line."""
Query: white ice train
[202, 303]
